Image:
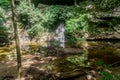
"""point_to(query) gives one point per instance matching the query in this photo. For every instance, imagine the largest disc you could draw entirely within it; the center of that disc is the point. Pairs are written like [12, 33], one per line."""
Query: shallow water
[72, 65]
[107, 52]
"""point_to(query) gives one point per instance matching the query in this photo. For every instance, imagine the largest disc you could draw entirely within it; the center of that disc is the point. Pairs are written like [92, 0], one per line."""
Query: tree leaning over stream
[16, 39]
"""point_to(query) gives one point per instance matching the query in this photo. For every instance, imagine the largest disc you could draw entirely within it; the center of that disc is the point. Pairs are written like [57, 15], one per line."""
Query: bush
[5, 4]
[3, 30]
[76, 27]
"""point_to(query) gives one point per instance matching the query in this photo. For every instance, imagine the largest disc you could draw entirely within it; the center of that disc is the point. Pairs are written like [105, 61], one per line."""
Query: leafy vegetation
[105, 74]
[77, 60]
[31, 17]
[5, 4]
[3, 30]
[56, 14]
[81, 22]
[76, 28]
[106, 4]
[47, 19]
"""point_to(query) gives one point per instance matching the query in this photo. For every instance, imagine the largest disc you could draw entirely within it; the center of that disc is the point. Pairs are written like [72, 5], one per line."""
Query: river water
[105, 51]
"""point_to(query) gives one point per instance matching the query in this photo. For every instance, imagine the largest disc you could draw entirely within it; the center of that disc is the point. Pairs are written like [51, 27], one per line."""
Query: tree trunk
[16, 39]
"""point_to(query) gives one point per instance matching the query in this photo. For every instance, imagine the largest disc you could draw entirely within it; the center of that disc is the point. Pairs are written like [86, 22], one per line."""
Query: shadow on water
[70, 66]
[108, 52]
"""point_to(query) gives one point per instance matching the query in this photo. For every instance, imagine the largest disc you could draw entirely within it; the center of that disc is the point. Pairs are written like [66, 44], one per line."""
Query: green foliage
[116, 77]
[106, 4]
[54, 43]
[47, 19]
[105, 75]
[75, 18]
[101, 63]
[1, 12]
[44, 19]
[3, 30]
[27, 11]
[108, 76]
[3, 35]
[77, 60]
[76, 28]
[5, 4]
[56, 14]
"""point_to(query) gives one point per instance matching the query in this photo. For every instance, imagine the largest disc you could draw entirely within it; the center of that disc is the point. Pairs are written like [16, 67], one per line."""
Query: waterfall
[60, 35]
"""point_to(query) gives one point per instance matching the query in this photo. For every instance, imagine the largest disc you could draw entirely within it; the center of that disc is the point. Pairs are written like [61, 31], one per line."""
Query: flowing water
[70, 65]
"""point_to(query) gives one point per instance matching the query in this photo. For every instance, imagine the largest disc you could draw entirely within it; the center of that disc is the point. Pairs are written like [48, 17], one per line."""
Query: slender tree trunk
[16, 40]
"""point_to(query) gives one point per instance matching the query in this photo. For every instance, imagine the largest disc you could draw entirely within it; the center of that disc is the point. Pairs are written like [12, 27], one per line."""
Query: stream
[70, 66]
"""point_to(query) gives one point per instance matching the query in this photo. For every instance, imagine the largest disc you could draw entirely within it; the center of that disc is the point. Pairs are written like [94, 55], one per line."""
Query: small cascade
[60, 35]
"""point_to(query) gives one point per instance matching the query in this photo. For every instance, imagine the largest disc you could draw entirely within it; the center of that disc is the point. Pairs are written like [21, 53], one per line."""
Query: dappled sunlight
[58, 65]
[42, 40]
[7, 52]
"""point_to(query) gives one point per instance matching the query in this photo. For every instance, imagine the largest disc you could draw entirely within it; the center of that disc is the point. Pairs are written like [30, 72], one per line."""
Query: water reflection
[94, 51]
